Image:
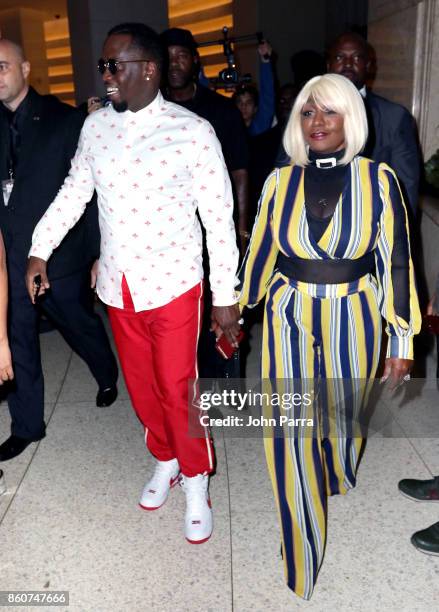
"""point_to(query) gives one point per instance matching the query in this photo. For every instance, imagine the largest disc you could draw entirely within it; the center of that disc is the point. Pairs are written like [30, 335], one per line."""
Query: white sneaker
[198, 523]
[156, 490]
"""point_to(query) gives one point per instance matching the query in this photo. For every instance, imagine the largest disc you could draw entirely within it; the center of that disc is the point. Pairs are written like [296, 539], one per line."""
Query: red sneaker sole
[149, 509]
[198, 541]
[171, 486]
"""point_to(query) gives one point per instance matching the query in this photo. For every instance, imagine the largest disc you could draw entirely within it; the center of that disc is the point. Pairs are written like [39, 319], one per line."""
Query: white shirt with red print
[151, 169]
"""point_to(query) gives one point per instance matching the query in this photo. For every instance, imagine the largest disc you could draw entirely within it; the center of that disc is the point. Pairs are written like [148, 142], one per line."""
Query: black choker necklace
[325, 161]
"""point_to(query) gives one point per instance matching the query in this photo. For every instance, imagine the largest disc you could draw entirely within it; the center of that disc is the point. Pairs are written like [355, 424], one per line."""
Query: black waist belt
[325, 271]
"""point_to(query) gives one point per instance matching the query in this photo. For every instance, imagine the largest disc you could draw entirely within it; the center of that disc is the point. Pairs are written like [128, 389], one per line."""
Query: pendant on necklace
[323, 202]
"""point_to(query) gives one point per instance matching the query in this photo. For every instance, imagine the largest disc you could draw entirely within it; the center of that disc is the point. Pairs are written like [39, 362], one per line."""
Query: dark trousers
[69, 306]
[210, 362]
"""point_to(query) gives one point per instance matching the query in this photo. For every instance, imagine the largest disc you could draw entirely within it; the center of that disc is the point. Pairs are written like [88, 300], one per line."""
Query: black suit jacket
[49, 138]
[393, 140]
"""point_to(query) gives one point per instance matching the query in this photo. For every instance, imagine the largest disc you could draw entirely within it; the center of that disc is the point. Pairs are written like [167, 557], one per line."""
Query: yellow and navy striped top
[370, 216]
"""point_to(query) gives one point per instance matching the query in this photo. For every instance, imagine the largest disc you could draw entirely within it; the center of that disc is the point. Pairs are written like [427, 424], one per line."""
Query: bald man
[38, 138]
[392, 130]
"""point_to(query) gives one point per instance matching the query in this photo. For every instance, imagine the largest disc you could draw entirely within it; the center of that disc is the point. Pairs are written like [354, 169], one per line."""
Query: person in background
[39, 136]
[433, 310]
[285, 100]
[6, 371]
[392, 130]
[426, 540]
[181, 87]
[264, 148]
[154, 165]
[257, 108]
[330, 253]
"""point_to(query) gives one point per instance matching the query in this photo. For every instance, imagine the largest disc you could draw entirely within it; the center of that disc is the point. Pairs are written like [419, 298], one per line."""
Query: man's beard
[120, 107]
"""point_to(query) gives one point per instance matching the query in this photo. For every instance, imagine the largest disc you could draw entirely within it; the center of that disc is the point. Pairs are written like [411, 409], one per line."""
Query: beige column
[405, 36]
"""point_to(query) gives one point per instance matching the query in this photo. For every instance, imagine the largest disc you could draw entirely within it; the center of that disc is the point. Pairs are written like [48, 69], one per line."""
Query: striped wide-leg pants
[324, 339]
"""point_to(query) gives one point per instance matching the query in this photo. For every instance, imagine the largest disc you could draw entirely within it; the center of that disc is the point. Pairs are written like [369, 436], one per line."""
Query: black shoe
[106, 397]
[427, 540]
[12, 447]
[420, 490]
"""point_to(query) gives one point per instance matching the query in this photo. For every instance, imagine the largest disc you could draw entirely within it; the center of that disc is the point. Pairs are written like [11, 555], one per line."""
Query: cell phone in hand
[224, 348]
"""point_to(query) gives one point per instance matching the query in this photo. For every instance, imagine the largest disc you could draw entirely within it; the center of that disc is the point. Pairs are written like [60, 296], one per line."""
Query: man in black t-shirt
[182, 88]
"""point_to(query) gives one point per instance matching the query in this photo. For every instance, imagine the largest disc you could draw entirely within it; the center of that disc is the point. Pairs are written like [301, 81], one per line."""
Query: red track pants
[158, 354]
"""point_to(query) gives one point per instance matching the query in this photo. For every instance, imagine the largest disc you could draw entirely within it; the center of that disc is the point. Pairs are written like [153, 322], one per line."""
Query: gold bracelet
[244, 234]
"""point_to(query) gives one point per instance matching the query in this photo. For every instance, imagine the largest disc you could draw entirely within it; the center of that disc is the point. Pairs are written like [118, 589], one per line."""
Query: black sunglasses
[112, 64]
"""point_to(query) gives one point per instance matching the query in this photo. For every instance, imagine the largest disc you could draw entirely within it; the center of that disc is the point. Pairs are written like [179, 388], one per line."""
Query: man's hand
[6, 371]
[396, 371]
[94, 274]
[225, 321]
[35, 267]
[93, 104]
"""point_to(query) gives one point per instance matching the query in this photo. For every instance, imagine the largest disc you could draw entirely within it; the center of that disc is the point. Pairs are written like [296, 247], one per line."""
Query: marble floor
[70, 521]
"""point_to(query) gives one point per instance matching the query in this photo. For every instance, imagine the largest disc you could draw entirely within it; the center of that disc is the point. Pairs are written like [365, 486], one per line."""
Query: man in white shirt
[153, 164]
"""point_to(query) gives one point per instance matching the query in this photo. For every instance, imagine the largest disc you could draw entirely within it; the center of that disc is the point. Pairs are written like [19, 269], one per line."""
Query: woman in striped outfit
[330, 253]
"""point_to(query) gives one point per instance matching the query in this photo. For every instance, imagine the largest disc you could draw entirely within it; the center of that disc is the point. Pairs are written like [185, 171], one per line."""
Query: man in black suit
[392, 130]
[38, 138]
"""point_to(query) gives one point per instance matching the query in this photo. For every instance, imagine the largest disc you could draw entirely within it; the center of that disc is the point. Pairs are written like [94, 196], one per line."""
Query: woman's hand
[6, 371]
[396, 371]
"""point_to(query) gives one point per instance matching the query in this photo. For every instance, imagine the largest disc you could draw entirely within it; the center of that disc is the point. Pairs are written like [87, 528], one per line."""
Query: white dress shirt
[151, 169]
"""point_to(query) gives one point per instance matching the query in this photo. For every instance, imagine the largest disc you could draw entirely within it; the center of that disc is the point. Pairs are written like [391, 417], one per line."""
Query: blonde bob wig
[335, 92]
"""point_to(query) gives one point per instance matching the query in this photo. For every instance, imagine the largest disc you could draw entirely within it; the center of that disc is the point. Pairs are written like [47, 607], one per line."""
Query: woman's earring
[148, 78]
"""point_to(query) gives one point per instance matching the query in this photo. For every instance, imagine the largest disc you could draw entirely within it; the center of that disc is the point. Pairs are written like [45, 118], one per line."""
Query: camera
[229, 77]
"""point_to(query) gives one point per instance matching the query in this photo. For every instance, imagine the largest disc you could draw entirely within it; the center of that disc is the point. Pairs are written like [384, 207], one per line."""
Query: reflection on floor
[70, 519]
